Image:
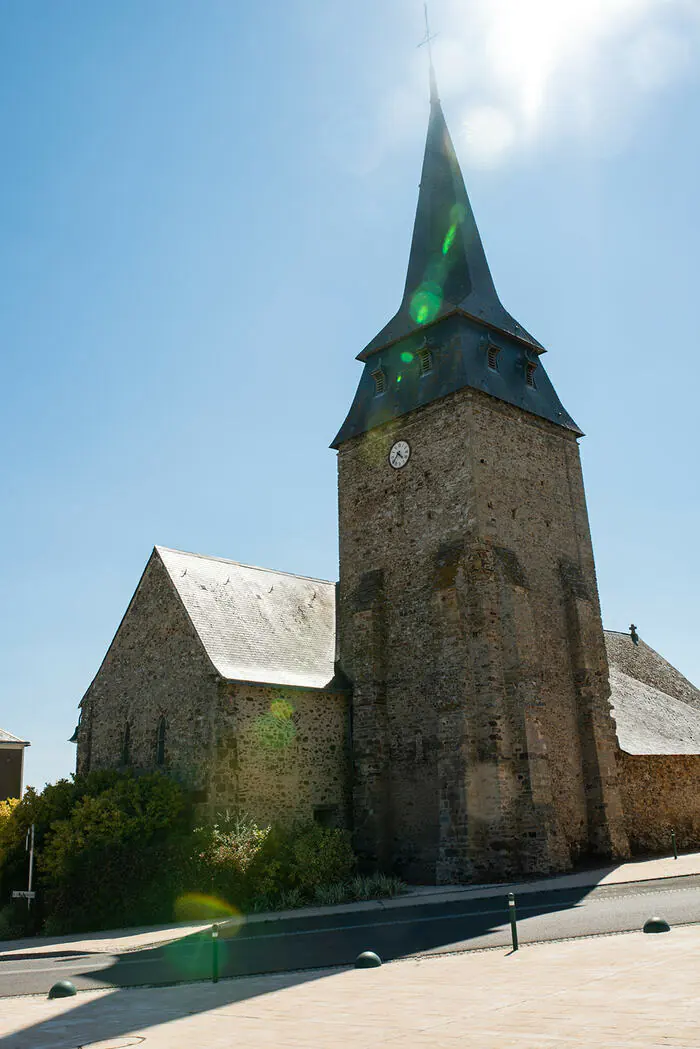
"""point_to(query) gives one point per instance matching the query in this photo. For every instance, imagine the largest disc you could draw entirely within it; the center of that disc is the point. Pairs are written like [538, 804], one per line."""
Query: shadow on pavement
[315, 944]
[117, 1013]
[35, 956]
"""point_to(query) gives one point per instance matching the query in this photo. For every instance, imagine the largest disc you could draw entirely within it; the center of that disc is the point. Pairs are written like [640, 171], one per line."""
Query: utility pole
[28, 894]
[29, 844]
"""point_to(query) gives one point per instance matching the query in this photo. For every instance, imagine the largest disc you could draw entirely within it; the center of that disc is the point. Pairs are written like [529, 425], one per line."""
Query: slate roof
[649, 721]
[257, 624]
[7, 737]
[643, 663]
[657, 710]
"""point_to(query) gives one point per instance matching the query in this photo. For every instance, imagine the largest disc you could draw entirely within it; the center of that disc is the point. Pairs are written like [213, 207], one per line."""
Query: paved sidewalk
[116, 941]
[120, 941]
[622, 873]
[629, 991]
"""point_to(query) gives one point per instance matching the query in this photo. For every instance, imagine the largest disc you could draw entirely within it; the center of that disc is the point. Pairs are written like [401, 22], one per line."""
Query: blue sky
[206, 213]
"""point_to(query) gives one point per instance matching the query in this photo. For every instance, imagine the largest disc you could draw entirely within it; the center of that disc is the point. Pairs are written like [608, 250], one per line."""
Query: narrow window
[530, 369]
[493, 353]
[426, 360]
[379, 382]
[126, 745]
[86, 719]
[160, 742]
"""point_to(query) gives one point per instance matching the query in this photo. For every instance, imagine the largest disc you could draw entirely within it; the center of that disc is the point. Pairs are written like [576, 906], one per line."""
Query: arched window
[160, 742]
[126, 745]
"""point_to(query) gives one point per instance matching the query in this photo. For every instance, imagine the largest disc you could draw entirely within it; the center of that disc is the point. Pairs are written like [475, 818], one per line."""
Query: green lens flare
[436, 272]
[399, 378]
[406, 357]
[281, 708]
[275, 730]
[458, 213]
[426, 303]
[449, 238]
[191, 957]
[197, 906]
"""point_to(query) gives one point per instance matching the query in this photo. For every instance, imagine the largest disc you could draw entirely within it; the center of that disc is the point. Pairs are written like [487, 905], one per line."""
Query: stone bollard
[656, 924]
[367, 960]
[62, 989]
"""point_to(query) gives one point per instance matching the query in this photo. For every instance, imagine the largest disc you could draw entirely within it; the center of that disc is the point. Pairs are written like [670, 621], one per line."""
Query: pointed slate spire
[451, 331]
[434, 97]
[447, 269]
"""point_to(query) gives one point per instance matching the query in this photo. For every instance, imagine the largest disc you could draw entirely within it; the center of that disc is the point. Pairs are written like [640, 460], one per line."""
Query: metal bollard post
[673, 842]
[215, 953]
[513, 920]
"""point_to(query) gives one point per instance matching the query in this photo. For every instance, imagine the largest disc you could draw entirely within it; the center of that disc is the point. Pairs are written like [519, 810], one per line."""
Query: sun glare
[526, 67]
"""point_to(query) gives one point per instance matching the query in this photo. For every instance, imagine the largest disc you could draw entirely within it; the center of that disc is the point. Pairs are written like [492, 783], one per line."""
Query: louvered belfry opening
[425, 357]
[493, 352]
[530, 370]
[379, 381]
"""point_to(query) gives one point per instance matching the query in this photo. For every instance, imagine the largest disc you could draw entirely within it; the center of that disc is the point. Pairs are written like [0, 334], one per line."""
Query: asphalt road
[309, 943]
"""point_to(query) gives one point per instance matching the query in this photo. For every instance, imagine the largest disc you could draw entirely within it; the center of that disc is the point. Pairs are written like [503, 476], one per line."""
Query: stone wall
[155, 668]
[275, 753]
[282, 754]
[661, 793]
[470, 627]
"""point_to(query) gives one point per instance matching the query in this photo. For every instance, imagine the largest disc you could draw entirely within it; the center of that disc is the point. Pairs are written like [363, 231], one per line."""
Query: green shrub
[300, 857]
[118, 849]
[42, 810]
[254, 867]
[337, 892]
[119, 858]
[321, 856]
[13, 919]
[291, 899]
[7, 836]
[112, 848]
[374, 886]
[229, 849]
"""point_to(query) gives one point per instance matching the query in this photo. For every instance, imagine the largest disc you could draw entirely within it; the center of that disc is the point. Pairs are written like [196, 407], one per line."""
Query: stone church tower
[468, 613]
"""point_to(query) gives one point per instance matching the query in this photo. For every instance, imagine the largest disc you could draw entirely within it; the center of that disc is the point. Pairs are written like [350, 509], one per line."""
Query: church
[449, 699]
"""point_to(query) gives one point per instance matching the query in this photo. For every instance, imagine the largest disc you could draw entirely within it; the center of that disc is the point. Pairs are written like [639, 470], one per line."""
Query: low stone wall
[660, 793]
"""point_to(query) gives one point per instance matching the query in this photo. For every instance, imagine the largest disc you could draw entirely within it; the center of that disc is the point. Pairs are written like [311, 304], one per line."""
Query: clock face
[399, 454]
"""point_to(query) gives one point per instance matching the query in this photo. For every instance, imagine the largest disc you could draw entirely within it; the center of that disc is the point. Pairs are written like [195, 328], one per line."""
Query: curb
[424, 898]
[448, 895]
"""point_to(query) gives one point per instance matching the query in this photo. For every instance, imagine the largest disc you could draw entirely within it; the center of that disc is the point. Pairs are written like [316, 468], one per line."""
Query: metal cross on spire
[429, 37]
